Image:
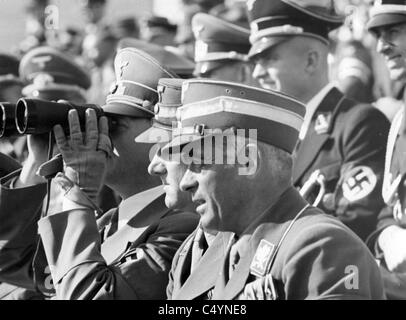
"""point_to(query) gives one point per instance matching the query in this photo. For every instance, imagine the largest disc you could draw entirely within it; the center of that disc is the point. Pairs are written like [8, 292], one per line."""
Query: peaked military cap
[175, 62]
[273, 22]
[9, 69]
[170, 99]
[218, 41]
[135, 92]
[209, 106]
[48, 70]
[387, 12]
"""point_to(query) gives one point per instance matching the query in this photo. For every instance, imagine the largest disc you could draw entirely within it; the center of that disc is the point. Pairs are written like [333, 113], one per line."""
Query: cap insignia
[42, 61]
[124, 64]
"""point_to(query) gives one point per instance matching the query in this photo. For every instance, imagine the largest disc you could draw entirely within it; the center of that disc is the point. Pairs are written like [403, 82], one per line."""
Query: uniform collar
[311, 108]
[136, 203]
[283, 209]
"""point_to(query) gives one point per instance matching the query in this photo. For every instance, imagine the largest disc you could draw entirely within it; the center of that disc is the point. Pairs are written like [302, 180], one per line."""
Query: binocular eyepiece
[7, 119]
[34, 116]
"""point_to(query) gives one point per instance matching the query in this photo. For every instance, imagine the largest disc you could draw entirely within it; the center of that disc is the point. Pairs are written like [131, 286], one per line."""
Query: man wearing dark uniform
[339, 159]
[388, 24]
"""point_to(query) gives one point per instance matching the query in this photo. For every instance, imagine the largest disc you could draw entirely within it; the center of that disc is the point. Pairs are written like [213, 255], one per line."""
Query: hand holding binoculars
[34, 116]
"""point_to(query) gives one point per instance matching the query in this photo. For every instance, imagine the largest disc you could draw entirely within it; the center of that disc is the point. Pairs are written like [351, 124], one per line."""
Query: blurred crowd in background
[353, 53]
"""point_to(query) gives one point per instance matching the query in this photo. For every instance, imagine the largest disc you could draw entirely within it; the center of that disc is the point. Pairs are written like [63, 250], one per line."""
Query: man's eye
[393, 32]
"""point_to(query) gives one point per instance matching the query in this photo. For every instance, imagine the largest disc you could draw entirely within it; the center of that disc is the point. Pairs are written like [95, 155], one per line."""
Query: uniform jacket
[12, 240]
[346, 142]
[307, 264]
[149, 254]
[20, 210]
[82, 267]
[394, 194]
[186, 286]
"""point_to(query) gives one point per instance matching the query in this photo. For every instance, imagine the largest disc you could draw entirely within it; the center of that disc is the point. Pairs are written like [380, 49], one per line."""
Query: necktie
[199, 246]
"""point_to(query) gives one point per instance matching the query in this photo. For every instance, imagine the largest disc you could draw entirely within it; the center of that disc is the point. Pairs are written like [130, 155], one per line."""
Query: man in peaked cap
[141, 236]
[388, 24]
[50, 75]
[280, 247]
[221, 50]
[7, 291]
[182, 66]
[339, 159]
[171, 173]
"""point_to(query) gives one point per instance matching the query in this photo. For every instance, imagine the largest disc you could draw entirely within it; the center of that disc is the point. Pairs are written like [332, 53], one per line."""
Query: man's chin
[171, 203]
[268, 86]
[397, 75]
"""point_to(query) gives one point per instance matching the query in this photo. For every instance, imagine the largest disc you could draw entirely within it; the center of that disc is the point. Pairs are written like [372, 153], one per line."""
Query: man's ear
[312, 61]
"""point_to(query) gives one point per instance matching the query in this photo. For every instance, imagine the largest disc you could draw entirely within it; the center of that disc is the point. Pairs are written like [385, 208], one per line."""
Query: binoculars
[34, 116]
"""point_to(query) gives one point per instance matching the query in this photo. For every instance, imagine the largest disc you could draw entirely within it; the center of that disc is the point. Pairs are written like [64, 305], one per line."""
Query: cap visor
[179, 141]
[123, 109]
[385, 19]
[155, 135]
[264, 44]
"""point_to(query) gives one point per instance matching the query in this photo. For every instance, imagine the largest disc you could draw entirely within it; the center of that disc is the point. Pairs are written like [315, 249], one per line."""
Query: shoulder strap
[289, 227]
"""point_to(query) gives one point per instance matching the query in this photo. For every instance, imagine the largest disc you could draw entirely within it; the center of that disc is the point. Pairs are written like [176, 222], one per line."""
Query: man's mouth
[200, 206]
[393, 60]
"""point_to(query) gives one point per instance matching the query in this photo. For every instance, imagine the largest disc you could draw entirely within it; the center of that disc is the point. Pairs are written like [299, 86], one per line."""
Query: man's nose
[188, 182]
[259, 71]
[156, 167]
[383, 46]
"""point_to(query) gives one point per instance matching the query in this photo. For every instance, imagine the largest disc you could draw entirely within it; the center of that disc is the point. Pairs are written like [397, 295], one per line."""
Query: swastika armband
[359, 183]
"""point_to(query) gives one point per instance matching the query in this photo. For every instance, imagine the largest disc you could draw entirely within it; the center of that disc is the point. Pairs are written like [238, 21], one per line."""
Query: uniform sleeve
[358, 196]
[385, 219]
[20, 210]
[72, 246]
[314, 270]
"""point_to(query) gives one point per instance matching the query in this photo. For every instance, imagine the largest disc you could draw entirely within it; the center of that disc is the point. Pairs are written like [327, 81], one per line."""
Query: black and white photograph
[201, 151]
